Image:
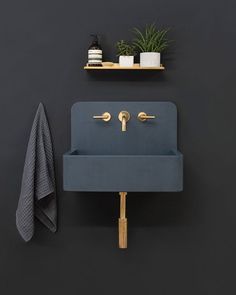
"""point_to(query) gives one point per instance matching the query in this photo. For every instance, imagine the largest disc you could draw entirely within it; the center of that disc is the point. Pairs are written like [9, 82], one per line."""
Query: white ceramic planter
[150, 59]
[126, 61]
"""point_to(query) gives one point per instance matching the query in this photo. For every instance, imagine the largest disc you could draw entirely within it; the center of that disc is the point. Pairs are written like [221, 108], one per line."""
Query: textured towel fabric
[38, 193]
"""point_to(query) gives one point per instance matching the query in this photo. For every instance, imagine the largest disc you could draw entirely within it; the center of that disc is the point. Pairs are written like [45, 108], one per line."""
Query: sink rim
[76, 153]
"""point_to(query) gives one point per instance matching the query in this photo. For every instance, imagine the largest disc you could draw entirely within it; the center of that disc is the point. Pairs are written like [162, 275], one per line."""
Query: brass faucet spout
[123, 123]
[124, 117]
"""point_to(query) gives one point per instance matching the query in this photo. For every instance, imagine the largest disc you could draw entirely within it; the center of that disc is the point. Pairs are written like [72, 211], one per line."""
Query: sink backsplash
[157, 136]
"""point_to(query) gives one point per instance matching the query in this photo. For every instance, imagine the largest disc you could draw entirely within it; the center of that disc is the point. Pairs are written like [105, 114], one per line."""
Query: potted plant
[126, 53]
[150, 43]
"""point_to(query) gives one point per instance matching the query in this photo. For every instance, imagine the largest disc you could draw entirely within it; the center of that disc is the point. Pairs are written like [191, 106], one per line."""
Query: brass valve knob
[144, 117]
[105, 117]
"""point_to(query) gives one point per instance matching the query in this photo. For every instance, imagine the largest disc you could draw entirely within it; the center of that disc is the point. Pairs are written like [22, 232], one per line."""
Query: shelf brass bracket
[123, 222]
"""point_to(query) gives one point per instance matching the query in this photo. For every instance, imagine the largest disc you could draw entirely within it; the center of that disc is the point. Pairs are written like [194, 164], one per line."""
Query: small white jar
[126, 61]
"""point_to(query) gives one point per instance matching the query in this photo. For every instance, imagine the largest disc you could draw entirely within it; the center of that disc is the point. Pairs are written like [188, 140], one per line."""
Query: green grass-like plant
[151, 39]
[123, 48]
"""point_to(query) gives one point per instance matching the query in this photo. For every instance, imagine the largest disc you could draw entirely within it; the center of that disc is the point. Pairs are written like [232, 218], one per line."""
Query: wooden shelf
[116, 67]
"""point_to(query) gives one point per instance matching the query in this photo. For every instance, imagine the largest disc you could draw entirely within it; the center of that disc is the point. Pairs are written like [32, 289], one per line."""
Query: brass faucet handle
[144, 117]
[105, 117]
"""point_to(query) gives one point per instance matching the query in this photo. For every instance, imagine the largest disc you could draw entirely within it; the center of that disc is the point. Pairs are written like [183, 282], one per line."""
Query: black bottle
[95, 53]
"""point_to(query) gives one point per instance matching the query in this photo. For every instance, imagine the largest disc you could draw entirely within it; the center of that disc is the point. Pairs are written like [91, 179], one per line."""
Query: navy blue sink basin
[130, 173]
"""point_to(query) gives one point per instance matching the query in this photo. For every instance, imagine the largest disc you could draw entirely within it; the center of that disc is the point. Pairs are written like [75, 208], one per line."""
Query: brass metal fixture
[123, 221]
[124, 117]
[144, 117]
[105, 117]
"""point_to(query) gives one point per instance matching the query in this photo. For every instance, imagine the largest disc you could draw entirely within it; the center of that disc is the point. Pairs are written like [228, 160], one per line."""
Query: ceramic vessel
[150, 59]
[126, 61]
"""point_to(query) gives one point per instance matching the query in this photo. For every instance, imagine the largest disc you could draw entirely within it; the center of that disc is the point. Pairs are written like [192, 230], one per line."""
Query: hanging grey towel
[38, 192]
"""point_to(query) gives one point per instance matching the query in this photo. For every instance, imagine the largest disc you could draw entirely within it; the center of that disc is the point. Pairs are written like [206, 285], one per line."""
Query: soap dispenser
[95, 53]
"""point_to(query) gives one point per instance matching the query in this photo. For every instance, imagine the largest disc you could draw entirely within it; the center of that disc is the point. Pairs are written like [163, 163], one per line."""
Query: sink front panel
[115, 173]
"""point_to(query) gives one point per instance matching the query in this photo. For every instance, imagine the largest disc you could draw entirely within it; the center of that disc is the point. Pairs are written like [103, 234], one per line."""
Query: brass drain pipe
[122, 221]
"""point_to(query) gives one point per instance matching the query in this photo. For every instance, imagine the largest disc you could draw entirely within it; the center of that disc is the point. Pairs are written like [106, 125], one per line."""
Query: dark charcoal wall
[180, 243]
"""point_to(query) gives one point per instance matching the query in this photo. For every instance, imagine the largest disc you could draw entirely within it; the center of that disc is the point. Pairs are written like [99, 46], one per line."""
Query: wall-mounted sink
[142, 159]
